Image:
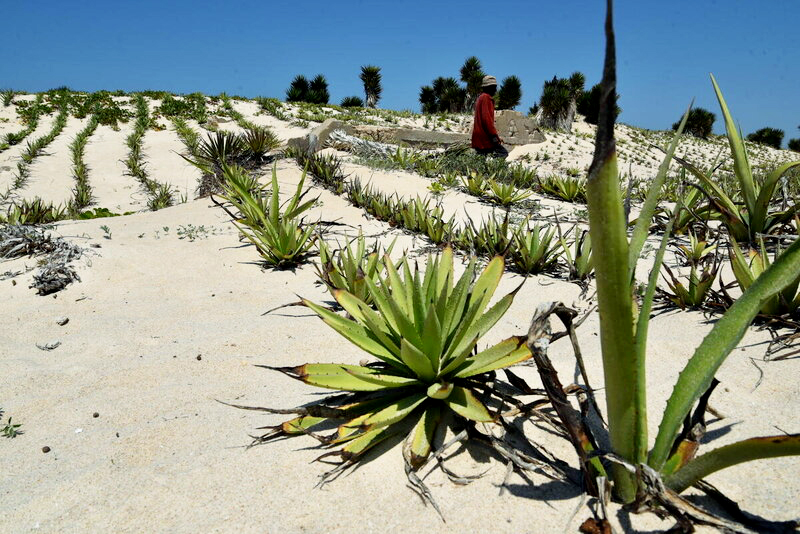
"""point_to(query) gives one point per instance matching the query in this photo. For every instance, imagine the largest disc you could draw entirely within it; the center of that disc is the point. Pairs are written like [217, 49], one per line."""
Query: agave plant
[257, 141]
[217, 149]
[7, 96]
[34, 211]
[476, 184]
[579, 257]
[696, 250]
[326, 169]
[424, 334]
[565, 188]
[747, 269]
[695, 292]
[278, 232]
[670, 466]
[535, 251]
[756, 217]
[493, 236]
[163, 196]
[505, 194]
[347, 268]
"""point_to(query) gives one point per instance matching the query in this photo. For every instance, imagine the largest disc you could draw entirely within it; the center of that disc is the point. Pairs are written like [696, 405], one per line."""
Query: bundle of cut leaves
[424, 332]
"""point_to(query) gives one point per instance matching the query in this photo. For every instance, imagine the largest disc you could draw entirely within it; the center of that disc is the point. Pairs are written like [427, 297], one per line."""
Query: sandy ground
[167, 319]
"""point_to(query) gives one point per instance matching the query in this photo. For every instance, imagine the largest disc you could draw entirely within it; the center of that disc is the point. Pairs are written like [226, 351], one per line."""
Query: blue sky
[665, 49]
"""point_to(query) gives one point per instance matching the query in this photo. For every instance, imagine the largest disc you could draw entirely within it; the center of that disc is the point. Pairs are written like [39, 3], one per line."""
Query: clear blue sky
[251, 48]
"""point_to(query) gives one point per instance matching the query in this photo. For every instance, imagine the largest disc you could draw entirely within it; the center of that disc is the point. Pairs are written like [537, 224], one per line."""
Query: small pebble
[45, 449]
[199, 357]
[95, 415]
[62, 321]
[117, 434]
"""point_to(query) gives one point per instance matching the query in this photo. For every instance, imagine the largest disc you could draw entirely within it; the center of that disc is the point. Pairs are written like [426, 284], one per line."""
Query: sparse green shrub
[272, 106]
[100, 213]
[509, 94]
[767, 136]
[101, 105]
[191, 106]
[475, 184]
[699, 124]
[10, 430]
[187, 134]
[8, 97]
[162, 196]
[352, 102]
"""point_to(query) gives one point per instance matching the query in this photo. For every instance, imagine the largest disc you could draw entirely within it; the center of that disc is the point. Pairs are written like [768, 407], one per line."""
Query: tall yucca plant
[472, 75]
[298, 89]
[510, 93]
[423, 333]
[371, 78]
[623, 338]
[318, 90]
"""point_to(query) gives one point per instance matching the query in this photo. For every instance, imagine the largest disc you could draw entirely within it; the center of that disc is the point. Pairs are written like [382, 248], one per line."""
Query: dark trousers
[498, 151]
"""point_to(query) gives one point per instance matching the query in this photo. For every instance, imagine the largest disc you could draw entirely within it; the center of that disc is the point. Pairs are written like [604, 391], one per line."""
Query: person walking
[485, 140]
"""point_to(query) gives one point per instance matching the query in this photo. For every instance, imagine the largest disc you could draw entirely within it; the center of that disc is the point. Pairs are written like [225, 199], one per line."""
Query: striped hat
[488, 81]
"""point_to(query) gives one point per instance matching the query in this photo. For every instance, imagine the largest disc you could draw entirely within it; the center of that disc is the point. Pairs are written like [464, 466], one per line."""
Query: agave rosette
[424, 332]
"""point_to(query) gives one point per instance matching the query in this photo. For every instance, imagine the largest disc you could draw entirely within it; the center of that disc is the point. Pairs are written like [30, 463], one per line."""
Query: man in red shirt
[485, 140]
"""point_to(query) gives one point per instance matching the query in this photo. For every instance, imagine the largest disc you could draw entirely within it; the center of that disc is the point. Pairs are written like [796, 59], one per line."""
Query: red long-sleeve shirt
[483, 130]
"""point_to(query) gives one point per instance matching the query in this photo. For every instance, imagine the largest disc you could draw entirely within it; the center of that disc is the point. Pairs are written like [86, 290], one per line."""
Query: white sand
[164, 456]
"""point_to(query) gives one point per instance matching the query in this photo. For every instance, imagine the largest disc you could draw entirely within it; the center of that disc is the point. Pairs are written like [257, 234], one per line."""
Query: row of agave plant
[532, 248]
[159, 195]
[423, 327]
